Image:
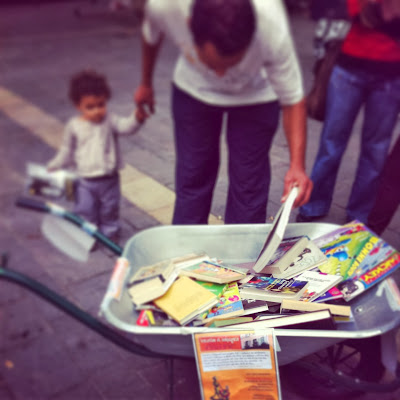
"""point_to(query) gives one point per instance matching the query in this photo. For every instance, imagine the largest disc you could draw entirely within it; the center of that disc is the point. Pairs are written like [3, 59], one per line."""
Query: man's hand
[144, 99]
[297, 177]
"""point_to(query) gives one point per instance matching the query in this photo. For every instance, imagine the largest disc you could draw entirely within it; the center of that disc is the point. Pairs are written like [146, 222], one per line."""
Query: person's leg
[381, 111]
[109, 194]
[250, 131]
[344, 99]
[388, 194]
[197, 139]
[86, 205]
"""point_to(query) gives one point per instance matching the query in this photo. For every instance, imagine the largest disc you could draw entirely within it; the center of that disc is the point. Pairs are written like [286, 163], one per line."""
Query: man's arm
[295, 127]
[144, 94]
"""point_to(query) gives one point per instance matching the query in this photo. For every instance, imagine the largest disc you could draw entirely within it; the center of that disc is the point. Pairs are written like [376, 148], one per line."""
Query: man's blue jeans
[348, 91]
[250, 130]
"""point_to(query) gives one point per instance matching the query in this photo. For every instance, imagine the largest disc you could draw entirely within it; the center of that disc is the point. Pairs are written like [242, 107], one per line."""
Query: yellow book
[185, 299]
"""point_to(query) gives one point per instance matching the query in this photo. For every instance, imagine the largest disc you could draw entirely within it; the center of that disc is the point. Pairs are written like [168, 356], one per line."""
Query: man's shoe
[305, 218]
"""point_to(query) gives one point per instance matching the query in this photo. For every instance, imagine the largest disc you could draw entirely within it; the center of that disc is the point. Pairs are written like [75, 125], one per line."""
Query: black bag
[316, 99]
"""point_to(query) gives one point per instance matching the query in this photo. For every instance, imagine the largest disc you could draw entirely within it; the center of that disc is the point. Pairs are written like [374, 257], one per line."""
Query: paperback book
[332, 294]
[252, 306]
[321, 320]
[277, 232]
[154, 318]
[152, 281]
[229, 305]
[310, 257]
[287, 250]
[272, 289]
[185, 300]
[318, 284]
[301, 306]
[211, 272]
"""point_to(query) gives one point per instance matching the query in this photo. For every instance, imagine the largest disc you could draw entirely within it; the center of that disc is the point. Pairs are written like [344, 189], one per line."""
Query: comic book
[345, 247]
[360, 256]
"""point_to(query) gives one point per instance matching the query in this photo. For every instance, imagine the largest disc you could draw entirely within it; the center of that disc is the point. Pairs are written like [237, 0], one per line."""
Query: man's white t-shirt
[268, 71]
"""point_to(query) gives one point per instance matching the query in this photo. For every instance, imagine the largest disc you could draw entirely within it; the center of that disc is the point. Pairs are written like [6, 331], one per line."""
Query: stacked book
[295, 282]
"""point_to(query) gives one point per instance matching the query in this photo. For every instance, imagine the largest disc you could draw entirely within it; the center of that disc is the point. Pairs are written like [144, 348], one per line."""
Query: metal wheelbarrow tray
[374, 311]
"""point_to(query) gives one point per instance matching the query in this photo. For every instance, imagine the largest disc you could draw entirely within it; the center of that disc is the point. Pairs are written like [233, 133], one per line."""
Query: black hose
[75, 312]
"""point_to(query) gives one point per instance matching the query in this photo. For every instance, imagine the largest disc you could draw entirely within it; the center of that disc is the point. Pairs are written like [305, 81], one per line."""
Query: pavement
[45, 354]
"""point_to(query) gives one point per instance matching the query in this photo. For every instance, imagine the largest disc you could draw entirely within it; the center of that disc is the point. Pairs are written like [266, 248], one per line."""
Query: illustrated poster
[237, 365]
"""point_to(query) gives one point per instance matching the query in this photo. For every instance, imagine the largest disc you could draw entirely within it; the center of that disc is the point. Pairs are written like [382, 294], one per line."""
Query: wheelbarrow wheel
[343, 371]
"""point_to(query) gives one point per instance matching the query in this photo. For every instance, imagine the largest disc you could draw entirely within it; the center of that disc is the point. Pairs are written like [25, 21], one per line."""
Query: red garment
[366, 43]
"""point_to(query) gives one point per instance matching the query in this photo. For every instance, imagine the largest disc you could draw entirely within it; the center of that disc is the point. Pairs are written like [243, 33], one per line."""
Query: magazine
[362, 258]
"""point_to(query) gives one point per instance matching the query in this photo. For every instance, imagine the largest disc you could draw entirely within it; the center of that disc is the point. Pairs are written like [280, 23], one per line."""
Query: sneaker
[306, 218]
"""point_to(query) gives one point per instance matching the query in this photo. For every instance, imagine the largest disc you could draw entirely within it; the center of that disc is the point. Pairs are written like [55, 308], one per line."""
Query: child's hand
[141, 115]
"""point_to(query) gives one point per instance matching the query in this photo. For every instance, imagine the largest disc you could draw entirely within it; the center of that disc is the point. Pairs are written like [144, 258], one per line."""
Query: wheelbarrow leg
[170, 369]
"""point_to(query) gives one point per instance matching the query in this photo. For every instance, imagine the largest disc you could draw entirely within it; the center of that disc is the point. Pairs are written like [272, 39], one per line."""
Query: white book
[277, 231]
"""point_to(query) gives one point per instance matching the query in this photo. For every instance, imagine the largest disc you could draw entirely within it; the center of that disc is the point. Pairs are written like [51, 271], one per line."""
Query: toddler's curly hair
[88, 83]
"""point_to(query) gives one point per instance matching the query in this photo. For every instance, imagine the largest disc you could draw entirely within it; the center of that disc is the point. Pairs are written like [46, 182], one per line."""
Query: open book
[277, 232]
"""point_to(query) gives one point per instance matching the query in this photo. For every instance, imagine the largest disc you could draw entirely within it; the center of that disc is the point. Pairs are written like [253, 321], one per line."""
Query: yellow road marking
[140, 189]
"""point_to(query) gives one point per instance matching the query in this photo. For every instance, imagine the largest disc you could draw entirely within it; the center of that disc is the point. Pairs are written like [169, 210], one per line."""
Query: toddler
[90, 146]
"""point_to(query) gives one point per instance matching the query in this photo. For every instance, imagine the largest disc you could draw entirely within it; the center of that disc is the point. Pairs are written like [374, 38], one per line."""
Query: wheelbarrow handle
[91, 229]
[33, 204]
[71, 309]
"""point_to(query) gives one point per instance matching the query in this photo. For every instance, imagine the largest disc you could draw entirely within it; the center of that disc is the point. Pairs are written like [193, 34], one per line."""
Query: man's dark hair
[228, 24]
[88, 83]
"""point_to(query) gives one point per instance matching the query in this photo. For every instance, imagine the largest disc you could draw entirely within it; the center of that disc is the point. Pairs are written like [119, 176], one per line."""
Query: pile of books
[295, 282]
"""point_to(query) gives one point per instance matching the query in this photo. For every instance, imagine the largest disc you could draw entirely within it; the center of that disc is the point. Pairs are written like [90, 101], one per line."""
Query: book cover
[345, 247]
[237, 365]
[287, 251]
[277, 232]
[154, 318]
[185, 299]
[272, 289]
[211, 272]
[310, 257]
[332, 294]
[318, 284]
[358, 284]
[216, 288]
[161, 270]
[229, 304]
[151, 281]
[366, 258]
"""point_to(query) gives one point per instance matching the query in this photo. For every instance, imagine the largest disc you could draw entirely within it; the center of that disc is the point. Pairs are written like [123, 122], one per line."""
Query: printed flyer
[237, 365]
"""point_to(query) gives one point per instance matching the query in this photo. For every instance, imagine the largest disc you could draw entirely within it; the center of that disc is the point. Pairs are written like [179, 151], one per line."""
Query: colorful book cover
[209, 271]
[272, 289]
[367, 258]
[154, 318]
[229, 304]
[216, 288]
[345, 248]
[355, 286]
[318, 283]
[277, 285]
[332, 294]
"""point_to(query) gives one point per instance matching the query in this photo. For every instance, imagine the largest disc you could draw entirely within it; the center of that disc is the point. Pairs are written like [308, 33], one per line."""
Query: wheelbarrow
[343, 357]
